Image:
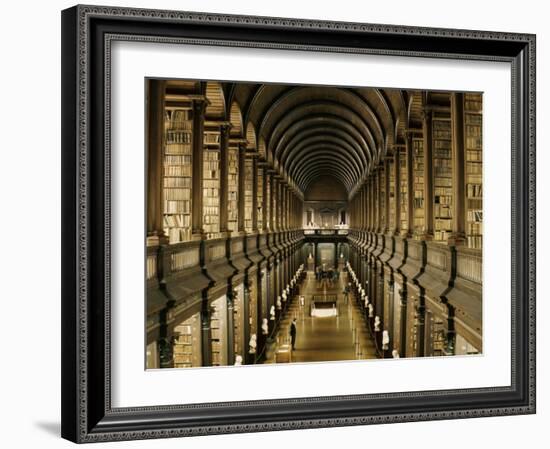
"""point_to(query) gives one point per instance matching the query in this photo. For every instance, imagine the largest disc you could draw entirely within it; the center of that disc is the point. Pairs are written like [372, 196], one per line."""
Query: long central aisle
[344, 337]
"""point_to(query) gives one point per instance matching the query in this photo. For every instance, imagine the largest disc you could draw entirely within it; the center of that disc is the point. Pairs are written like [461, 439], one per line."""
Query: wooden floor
[344, 337]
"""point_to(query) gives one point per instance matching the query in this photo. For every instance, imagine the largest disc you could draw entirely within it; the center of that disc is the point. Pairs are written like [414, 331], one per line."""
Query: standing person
[293, 333]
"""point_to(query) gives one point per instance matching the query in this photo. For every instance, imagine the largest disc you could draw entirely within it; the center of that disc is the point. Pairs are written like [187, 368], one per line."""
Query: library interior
[295, 223]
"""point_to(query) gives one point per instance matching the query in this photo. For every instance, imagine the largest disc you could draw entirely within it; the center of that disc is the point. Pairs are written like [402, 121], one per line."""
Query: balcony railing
[326, 231]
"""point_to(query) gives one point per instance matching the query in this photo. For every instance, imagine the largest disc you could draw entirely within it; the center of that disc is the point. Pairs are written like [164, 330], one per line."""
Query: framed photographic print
[285, 223]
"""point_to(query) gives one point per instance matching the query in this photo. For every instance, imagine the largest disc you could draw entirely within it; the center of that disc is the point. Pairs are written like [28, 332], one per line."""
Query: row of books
[475, 216]
[472, 105]
[474, 190]
[179, 137]
[443, 182]
[474, 155]
[211, 156]
[177, 170]
[177, 194]
[177, 160]
[211, 174]
[179, 116]
[443, 172]
[473, 203]
[474, 168]
[177, 221]
[443, 224]
[177, 182]
[211, 184]
[473, 119]
[176, 235]
[473, 130]
[443, 199]
[177, 148]
[441, 235]
[418, 203]
[474, 143]
[210, 193]
[177, 207]
[211, 138]
[211, 211]
[474, 241]
[442, 134]
[442, 148]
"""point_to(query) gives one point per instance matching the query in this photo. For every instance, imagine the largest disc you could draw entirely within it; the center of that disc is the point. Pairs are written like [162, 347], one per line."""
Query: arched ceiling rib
[307, 132]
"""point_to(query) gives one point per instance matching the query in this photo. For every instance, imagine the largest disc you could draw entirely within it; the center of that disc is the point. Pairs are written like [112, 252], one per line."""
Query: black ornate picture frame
[87, 413]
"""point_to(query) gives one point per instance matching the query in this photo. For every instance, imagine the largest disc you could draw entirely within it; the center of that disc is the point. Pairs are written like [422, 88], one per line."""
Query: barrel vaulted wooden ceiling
[308, 132]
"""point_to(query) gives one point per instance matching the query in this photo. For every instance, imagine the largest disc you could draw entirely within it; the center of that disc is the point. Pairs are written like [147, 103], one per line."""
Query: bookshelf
[418, 186]
[177, 172]
[218, 329]
[404, 192]
[391, 196]
[276, 206]
[248, 192]
[253, 308]
[442, 177]
[268, 203]
[187, 344]
[260, 195]
[382, 193]
[474, 172]
[233, 189]
[211, 183]
[238, 322]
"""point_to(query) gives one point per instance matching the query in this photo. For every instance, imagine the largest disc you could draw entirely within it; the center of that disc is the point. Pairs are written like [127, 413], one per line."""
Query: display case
[187, 343]
[177, 172]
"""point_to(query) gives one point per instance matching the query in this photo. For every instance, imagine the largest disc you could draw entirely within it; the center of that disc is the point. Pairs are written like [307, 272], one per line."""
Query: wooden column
[428, 175]
[198, 128]
[458, 236]
[224, 160]
[155, 144]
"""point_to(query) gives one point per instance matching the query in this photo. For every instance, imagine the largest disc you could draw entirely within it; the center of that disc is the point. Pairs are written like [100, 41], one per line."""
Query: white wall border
[133, 386]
